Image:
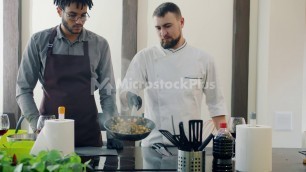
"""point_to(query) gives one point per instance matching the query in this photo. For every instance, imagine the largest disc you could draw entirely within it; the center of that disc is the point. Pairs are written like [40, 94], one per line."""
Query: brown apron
[67, 83]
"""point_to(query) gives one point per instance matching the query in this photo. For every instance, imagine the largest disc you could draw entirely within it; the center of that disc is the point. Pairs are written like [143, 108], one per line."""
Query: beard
[172, 43]
[70, 29]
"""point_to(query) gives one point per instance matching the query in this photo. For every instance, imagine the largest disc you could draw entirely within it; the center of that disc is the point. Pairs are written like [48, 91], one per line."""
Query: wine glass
[41, 121]
[234, 121]
[4, 124]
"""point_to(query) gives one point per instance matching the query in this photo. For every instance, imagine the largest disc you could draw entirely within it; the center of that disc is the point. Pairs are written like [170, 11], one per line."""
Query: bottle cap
[223, 125]
[61, 110]
[61, 113]
[253, 119]
[253, 115]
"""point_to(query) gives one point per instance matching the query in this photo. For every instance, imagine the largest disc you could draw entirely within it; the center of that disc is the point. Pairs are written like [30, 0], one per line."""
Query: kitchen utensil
[177, 137]
[157, 149]
[302, 152]
[195, 133]
[205, 143]
[21, 137]
[19, 124]
[170, 137]
[161, 149]
[173, 125]
[131, 137]
[191, 161]
[185, 146]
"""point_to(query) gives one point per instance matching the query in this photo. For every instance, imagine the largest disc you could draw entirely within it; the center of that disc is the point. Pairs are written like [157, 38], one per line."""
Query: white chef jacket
[173, 82]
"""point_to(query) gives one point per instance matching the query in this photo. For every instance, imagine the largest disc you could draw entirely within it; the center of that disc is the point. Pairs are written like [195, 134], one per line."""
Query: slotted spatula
[195, 133]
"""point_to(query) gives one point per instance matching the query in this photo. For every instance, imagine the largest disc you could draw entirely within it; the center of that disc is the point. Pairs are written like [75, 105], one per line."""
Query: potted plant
[45, 161]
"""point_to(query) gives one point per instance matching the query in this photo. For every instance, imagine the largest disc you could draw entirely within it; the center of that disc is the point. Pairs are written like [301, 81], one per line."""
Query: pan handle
[19, 123]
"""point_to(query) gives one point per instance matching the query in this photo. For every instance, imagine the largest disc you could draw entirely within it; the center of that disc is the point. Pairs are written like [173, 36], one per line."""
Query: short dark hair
[64, 3]
[166, 7]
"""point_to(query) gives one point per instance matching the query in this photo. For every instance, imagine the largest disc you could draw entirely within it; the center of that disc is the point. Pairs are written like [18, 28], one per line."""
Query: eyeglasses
[74, 17]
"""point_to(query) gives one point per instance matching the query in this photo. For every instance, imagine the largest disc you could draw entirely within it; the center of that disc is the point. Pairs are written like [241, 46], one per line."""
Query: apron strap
[51, 40]
[85, 46]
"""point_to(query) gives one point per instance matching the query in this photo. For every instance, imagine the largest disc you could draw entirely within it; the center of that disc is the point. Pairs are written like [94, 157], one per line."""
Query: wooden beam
[129, 34]
[240, 63]
[11, 56]
[129, 41]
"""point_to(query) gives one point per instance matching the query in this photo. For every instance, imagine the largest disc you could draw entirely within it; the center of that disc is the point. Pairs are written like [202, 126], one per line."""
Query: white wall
[208, 26]
[281, 65]
[1, 57]
[106, 20]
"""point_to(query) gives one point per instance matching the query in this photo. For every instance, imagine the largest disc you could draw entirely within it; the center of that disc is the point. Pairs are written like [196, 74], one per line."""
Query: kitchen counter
[146, 159]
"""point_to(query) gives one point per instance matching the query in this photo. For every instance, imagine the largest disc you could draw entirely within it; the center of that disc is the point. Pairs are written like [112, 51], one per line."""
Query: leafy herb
[45, 161]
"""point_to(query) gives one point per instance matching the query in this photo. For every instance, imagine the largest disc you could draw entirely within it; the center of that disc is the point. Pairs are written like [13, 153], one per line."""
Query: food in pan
[129, 126]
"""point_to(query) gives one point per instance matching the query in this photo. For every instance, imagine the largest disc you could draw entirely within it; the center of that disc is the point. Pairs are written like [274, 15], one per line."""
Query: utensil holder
[191, 161]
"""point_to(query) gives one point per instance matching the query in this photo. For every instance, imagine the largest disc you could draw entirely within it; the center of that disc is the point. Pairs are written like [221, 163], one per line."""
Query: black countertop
[146, 159]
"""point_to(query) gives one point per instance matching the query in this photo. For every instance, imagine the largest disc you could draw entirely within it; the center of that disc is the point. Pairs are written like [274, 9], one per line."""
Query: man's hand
[133, 100]
[33, 122]
[114, 144]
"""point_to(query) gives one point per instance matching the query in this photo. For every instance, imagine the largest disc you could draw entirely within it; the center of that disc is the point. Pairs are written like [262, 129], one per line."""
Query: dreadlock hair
[64, 3]
[166, 7]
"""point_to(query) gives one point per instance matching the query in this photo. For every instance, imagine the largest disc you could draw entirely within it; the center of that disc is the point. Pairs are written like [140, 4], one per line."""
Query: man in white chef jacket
[174, 75]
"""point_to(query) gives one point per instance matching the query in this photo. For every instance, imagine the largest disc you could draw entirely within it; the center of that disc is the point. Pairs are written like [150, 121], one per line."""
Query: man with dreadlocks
[68, 60]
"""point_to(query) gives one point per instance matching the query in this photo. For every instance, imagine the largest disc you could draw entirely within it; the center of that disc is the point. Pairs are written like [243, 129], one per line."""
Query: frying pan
[21, 137]
[131, 137]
